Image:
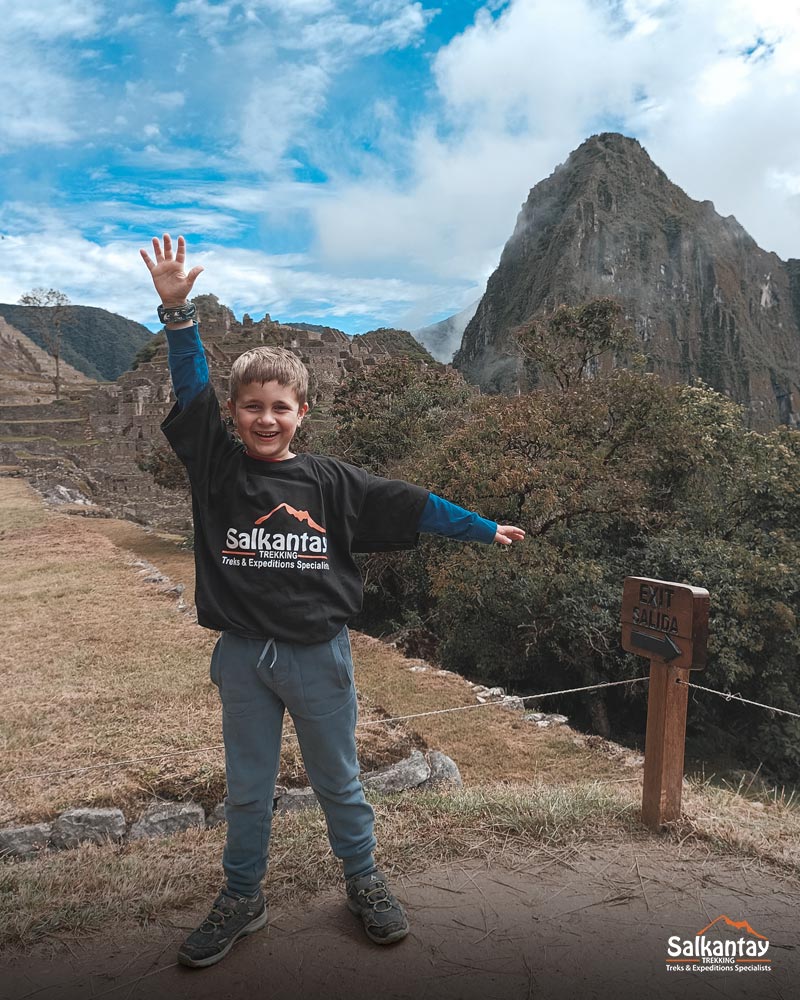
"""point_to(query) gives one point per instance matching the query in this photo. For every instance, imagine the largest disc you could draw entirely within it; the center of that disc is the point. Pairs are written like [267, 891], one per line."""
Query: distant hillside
[396, 342]
[26, 371]
[97, 342]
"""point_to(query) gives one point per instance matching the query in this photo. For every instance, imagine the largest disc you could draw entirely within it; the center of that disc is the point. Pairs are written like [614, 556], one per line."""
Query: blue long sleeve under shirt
[189, 371]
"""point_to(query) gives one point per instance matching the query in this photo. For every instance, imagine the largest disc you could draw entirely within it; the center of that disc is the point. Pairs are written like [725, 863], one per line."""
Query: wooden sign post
[667, 622]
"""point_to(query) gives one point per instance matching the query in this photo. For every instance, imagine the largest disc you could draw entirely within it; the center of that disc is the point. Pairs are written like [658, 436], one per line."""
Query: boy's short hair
[270, 364]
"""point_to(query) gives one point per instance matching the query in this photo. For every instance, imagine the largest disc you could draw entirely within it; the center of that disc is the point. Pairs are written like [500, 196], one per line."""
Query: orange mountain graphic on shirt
[738, 925]
[299, 515]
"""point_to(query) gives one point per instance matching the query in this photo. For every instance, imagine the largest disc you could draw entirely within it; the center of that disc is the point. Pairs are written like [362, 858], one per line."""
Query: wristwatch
[177, 314]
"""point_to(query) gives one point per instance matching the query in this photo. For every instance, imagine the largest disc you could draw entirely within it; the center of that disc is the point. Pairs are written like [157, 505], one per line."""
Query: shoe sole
[389, 939]
[203, 963]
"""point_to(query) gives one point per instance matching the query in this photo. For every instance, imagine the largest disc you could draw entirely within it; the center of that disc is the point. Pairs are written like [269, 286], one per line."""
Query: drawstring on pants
[269, 642]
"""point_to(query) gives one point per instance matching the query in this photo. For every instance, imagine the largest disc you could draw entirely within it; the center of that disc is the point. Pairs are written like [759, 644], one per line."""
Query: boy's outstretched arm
[187, 360]
[440, 517]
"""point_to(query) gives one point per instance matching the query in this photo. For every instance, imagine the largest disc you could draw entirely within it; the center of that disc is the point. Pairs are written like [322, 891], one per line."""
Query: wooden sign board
[666, 622]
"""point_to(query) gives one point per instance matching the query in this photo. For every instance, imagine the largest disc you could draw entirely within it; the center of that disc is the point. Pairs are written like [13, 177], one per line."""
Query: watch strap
[177, 314]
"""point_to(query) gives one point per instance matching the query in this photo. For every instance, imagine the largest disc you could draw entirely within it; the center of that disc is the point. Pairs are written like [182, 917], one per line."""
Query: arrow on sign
[662, 646]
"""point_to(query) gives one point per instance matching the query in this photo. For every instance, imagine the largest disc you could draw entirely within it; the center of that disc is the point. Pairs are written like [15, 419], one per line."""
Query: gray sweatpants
[257, 680]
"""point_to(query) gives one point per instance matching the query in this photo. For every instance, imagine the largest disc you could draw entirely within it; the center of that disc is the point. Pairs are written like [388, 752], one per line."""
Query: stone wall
[93, 444]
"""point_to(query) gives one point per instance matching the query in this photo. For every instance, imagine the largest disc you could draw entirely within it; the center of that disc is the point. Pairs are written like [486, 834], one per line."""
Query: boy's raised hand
[172, 283]
[507, 533]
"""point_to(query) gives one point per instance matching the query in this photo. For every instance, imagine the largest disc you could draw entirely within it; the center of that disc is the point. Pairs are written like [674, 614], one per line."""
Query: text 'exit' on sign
[665, 621]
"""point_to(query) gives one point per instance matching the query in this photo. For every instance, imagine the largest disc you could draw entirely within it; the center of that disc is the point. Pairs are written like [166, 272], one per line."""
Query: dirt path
[596, 927]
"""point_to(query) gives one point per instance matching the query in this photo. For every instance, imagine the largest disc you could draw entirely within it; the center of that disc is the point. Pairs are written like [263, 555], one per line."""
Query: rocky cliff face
[705, 300]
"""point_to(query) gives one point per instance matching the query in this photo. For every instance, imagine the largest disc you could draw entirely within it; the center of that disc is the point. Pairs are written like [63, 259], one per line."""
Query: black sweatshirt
[273, 541]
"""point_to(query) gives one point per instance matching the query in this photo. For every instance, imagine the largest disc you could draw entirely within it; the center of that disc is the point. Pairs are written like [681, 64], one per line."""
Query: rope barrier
[287, 736]
[737, 697]
[727, 695]
[464, 708]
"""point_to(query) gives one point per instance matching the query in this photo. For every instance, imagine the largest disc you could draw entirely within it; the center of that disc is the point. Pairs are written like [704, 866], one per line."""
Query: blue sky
[362, 163]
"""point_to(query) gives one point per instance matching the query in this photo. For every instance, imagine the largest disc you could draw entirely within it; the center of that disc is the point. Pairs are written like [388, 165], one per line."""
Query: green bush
[613, 475]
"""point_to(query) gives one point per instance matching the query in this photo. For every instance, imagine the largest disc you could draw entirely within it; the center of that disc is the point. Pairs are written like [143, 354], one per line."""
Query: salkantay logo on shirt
[263, 548]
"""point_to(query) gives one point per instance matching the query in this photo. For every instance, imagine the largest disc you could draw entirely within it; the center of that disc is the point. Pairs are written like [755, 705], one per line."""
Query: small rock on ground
[166, 818]
[79, 826]
[408, 773]
[24, 841]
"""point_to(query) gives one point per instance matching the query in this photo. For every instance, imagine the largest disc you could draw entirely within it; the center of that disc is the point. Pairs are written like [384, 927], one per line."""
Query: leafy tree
[383, 414]
[612, 473]
[619, 476]
[574, 342]
[56, 303]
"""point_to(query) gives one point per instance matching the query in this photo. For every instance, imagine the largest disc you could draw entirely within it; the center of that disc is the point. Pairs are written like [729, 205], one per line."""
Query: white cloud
[312, 25]
[173, 99]
[48, 20]
[783, 180]
[277, 113]
[210, 19]
[287, 56]
[111, 275]
[43, 100]
[296, 10]
[339, 31]
[42, 108]
[127, 21]
[711, 90]
[723, 82]
[278, 199]
[534, 66]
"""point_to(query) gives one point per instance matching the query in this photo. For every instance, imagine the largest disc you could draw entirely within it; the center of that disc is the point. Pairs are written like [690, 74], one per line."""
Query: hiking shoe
[231, 917]
[383, 917]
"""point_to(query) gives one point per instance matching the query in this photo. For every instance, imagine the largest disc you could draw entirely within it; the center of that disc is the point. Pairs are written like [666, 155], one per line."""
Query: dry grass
[99, 667]
[486, 742]
[148, 880]
[767, 829]
[159, 548]
[20, 508]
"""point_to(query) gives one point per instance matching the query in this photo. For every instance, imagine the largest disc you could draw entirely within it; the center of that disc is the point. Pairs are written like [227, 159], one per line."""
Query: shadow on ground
[593, 926]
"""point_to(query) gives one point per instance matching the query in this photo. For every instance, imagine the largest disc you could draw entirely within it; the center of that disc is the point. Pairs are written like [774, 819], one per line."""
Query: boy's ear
[302, 412]
[232, 408]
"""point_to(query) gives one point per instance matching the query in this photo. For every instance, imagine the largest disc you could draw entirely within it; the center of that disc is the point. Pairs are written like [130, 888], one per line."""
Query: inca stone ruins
[84, 450]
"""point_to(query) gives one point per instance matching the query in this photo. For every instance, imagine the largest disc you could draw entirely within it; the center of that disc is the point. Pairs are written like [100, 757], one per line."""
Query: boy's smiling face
[266, 417]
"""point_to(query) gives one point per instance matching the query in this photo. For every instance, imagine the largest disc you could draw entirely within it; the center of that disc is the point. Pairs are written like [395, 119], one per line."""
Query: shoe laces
[221, 909]
[377, 895]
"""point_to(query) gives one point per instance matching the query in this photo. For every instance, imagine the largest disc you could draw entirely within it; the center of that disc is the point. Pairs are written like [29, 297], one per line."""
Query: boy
[274, 532]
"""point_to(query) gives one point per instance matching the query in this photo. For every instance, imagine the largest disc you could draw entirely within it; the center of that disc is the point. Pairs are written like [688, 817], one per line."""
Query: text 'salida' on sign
[665, 621]
[668, 623]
